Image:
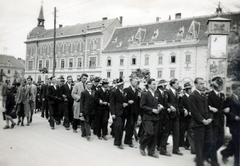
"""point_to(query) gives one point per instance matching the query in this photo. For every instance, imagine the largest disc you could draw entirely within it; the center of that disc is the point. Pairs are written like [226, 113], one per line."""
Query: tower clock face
[218, 46]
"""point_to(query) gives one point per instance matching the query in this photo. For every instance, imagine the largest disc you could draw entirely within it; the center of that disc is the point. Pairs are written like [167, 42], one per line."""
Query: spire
[41, 18]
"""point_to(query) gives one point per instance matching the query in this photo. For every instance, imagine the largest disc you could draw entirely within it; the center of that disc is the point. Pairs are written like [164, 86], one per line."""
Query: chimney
[121, 19]
[60, 25]
[104, 18]
[178, 16]
[157, 19]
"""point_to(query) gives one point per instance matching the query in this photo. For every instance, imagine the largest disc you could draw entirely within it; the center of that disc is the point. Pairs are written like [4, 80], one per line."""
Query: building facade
[168, 49]
[78, 48]
[11, 68]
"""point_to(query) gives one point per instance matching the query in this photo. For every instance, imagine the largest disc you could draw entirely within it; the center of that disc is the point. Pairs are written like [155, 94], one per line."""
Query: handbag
[13, 113]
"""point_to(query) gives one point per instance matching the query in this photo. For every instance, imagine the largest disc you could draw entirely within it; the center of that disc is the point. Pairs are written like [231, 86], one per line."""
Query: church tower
[41, 18]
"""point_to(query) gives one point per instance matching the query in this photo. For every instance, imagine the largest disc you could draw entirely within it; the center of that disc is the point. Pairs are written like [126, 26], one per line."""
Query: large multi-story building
[11, 68]
[78, 48]
[168, 49]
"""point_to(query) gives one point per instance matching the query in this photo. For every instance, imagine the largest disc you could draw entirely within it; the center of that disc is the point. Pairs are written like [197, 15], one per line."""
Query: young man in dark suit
[102, 110]
[216, 101]
[150, 119]
[185, 120]
[66, 92]
[52, 101]
[202, 127]
[117, 100]
[87, 107]
[132, 111]
[232, 111]
[172, 100]
[163, 115]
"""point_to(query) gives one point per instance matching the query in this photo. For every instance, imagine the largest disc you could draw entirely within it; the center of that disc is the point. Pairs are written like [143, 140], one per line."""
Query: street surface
[38, 145]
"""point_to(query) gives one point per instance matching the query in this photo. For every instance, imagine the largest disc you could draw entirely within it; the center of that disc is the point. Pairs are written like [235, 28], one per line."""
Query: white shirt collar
[198, 91]
[187, 94]
[216, 92]
[133, 88]
[151, 92]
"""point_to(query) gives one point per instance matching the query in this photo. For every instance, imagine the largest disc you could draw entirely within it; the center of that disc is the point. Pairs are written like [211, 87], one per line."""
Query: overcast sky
[19, 17]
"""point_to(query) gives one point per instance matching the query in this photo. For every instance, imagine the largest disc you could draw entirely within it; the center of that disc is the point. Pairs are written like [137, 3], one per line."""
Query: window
[121, 62]
[133, 61]
[79, 62]
[173, 59]
[40, 65]
[30, 64]
[109, 62]
[108, 74]
[9, 71]
[160, 59]
[93, 45]
[70, 63]
[172, 73]
[188, 58]
[47, 64]
[159, 74]
[62, 63]
[146, 60]
[121, 74]
[92, 62]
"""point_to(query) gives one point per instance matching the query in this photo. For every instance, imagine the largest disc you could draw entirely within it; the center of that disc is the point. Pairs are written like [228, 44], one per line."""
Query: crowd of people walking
[194, 118]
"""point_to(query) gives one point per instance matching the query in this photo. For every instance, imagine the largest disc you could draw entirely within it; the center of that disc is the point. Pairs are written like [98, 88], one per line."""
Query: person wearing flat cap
[185, 119]
[102, 110]
[117, 100]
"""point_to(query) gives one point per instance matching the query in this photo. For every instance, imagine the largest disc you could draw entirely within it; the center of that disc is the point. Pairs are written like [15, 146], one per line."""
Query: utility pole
[54, 42]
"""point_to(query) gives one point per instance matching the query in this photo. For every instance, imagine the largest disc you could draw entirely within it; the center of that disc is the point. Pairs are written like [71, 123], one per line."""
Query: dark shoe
[12, 126]
[75, 131]
[67, 128]
[22, 124]
[52, 128]
[142, 151]
[19, 121]
[88, 137]
[224, 159]
[178, 153]
[27, 124]
[42, 116]
[187, 147]
[100, 138]
[153, 155]
[165, 153]
[131, 145]
[6, 127]
[30, 120]
[105, 138]
[120, 146]
[208, 160]
[57, 123]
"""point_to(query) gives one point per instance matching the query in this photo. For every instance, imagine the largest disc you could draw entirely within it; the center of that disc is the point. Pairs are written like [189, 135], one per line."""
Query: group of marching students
[194, 118]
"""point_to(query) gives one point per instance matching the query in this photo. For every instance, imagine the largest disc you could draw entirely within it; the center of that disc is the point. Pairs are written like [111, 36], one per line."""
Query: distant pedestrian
[10, 103]
[4, 92]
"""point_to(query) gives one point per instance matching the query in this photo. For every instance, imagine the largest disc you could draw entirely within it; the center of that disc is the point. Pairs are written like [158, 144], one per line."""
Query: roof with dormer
[164, 34]
[78, 29]
[11, 61]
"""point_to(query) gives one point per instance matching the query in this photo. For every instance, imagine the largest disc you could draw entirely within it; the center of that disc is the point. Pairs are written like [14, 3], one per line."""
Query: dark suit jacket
[147, 104]
[64, 90]
[216, 102]
[183, 103]
[198, 105]
[43, 91]
[131, 95]
[52, 94]
[104, 96]
[116, 100]
[172, 100]
[87, 102]
[162, 100]
[234, 106]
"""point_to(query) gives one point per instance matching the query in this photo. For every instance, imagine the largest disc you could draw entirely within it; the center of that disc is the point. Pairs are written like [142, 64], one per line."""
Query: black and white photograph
[130, 82]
